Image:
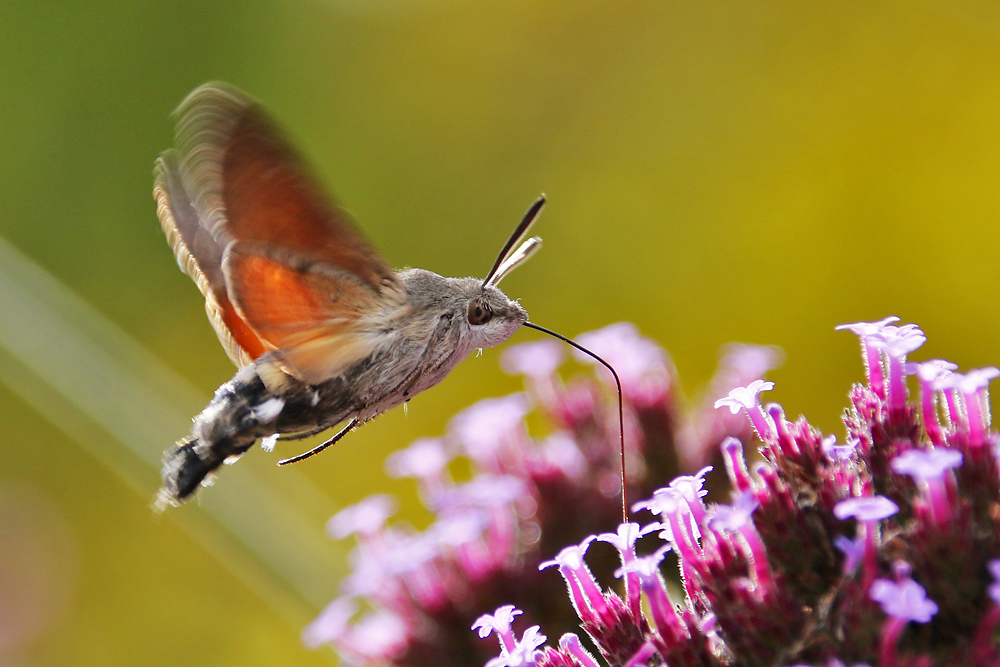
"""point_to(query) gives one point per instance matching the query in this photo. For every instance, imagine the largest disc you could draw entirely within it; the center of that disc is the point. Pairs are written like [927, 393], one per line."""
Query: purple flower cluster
[881, 550]
[413, 595]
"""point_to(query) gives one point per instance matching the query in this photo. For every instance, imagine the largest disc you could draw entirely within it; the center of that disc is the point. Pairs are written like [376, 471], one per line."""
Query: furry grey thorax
[417, 345]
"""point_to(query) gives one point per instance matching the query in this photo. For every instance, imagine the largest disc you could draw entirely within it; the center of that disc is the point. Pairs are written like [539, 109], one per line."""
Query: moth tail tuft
[185, 468]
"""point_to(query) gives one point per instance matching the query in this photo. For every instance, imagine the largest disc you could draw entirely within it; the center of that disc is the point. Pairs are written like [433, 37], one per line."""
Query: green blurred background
[739, 171]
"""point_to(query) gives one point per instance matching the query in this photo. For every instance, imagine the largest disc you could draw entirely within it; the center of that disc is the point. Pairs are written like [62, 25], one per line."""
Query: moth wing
[199, 255]
[294, 271]
[316, 313]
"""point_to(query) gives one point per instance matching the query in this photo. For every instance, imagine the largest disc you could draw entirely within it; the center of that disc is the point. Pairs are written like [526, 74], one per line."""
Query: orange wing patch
[313, 314]
[280, 264]
[198, 257]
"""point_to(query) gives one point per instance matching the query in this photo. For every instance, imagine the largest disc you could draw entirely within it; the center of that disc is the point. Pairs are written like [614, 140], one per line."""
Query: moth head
[491, 317]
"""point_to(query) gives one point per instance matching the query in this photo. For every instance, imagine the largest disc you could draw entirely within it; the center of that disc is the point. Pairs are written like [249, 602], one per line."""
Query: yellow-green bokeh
[739, 171]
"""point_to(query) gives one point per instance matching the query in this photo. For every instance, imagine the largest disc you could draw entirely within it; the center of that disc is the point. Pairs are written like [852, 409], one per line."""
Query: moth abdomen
[242, 411]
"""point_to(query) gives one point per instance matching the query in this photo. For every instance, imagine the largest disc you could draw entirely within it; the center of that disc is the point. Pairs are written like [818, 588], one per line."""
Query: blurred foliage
[750, 171]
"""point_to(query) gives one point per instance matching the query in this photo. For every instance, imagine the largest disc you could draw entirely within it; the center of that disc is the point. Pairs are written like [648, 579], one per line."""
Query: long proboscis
[621, 408]
[515, 238]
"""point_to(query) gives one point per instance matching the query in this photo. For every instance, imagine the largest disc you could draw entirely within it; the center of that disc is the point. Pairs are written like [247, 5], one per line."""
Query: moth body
[418, 343]
[322, 329]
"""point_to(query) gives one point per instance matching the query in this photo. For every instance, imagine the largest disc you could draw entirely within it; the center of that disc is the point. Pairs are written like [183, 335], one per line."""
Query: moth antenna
[514, 260]
[515, 238]
[621, 409]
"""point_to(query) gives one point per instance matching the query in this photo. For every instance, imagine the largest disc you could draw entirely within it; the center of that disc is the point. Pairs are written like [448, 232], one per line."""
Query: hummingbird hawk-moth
[323, 330]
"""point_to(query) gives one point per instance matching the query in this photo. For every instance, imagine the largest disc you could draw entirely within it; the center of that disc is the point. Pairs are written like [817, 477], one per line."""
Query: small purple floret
[906, 600]
[865, 508]
[867, 328]
[365, 518]
[570, 643]
[994, 589]
[487, 426]
[930, 370]
[537, 359]
[499, 622]
[744, 397]
[926, 463]
[424, 459]
[522, 653]
[899, 341]
[734, 517]
[837, 452]
[641, 364]
[853, 550]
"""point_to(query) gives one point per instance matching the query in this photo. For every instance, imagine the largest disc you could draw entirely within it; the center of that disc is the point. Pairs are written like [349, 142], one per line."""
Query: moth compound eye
[479, 314]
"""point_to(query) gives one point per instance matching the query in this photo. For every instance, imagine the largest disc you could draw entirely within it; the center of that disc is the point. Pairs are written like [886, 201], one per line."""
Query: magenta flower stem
[736, 465]
[761, 424]
[873, 364]
[759, 557]
[664, 617]
[642, 656]
[682, 537]
[591, 591]
[633, 592]
[871, 552]
[929, 412]
[577, 596]
[937, 497]
[976, 418]
[897, 384]
[984, 401]
[891, 630]
[983, 643]
[954, 408]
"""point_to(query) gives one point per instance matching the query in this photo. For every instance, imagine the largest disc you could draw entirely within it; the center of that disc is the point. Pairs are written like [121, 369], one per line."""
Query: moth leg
[320, 447]
[304, 434]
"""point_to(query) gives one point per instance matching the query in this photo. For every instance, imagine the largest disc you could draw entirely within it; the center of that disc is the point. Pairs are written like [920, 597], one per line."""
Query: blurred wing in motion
[280, 265]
